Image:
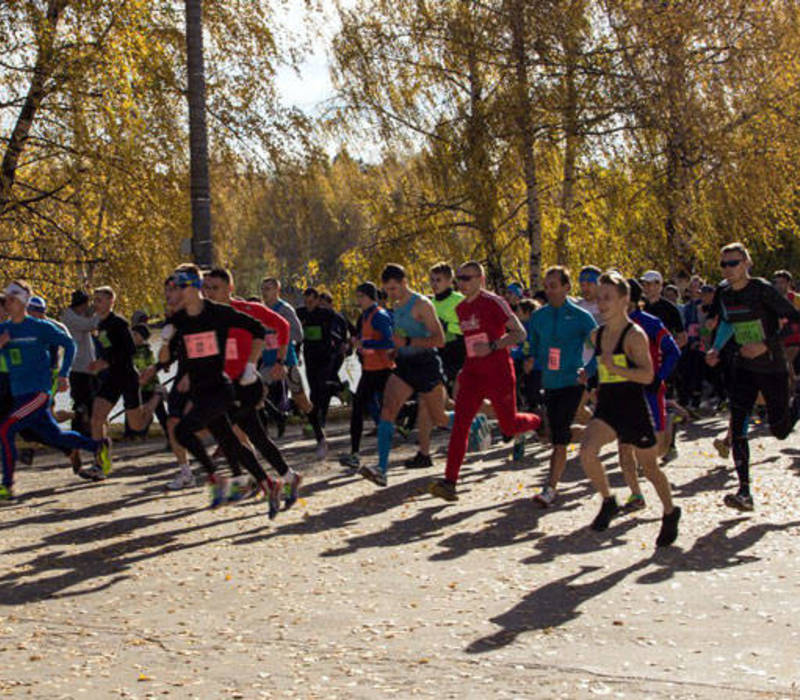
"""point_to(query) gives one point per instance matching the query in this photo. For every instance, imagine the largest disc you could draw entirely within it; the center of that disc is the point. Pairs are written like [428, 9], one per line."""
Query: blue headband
[184, 278]
[589, 276]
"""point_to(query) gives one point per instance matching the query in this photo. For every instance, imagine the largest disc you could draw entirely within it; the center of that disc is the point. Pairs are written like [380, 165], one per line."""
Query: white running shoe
[183, 480]
[546, 497]
[322, 449]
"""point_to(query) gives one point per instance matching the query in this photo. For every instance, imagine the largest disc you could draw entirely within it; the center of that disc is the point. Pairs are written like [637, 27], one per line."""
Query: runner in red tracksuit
[490, 328]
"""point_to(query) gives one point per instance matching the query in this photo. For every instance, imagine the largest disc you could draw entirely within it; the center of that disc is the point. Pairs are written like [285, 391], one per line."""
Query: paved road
[119, 589]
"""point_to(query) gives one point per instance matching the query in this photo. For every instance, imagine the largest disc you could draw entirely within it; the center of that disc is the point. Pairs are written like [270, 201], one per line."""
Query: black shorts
[176, 401]
[630, 419]
[114, 386]
[422, 371]
[562, 405]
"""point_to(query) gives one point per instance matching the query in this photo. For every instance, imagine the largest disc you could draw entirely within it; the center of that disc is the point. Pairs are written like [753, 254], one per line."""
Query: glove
[167, 332]
[249, 376]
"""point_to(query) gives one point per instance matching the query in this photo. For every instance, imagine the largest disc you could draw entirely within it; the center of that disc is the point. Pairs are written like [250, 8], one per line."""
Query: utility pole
[202, 244]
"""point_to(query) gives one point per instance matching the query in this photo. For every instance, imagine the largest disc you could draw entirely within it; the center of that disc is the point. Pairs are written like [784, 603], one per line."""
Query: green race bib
[748, 332]
[313, 332]
[102, 338]
[15, 355]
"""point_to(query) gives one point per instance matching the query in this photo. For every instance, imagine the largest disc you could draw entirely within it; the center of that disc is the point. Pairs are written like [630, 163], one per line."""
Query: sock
[385, 433]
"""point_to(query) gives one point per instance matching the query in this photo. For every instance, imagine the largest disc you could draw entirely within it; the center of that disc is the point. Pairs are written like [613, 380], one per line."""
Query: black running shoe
[739, 501]
[25, 456]
[75, 461]
[442, 488]
[374, 475]
[608, 510]
[419, 461]
[669, 528]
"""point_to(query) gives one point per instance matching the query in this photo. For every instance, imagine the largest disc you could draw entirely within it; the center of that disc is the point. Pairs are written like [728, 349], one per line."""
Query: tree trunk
[525, 138]
[202, 244]
[37, 91]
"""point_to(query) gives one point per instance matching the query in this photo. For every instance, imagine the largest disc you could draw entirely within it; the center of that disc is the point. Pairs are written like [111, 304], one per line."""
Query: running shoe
[275, 495]
[219, 492]
[418, 461]
[322, 449]
[308, 431]
[442, 488]
[351, 461]
[608, 510]
[75, 461]
[518, 452]
[739, 501]
[239, 488]
[184, 479]
[291, 490]
[93, 473]
[669, 528]
[102, 458]
[403, 431]
[374, 475]
[672, 453]
[635, 502]
[25, 456]
[6, 494]
[281, 424]
[546, 497]
[722, 448]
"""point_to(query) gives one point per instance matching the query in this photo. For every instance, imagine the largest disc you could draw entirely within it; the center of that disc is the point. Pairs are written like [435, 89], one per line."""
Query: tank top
[604, 375]
[374, 358]
[406, 325]
[614, 392]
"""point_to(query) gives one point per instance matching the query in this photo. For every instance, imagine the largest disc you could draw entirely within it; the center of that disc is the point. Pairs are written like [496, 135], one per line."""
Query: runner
[490, 328]
[374, 344]
[81, 323]
[25, 344]
[270, 292]
[624, 368]
[662, 308]
[417, 335]
[754, 310]
[218, 286]
[664, 353]
[559, 334]
[118, 378]
[782, 281]
[202, 329]
[587, 280]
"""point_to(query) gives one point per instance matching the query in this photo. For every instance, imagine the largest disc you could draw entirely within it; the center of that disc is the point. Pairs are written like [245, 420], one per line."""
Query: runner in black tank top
[622, 412]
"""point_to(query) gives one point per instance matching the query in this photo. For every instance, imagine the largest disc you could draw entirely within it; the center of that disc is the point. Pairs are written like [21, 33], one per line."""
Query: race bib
[607, 377]
[15, 355]
[312, 332]
[271, 341]
[472, 340]
[231, 349]
[102, 338]
[554, 359]
[748, 332]
[199, 345]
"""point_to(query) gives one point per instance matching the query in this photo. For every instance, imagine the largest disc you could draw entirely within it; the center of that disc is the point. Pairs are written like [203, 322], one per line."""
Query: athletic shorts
[422, 371]
[562, 405]
[114, 386]
[631, 421]
[176, 401]
[658, 409]
[6, 400]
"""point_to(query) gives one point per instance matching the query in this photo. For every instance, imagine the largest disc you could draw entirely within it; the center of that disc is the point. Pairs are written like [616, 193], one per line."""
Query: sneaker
[518, 452]
[635, 502]
[75, 461]
[739, 501]
[281, 424]
[6, 493]
[669, 528]
[25, 456]
[403, 431]
[308, 431]
[239, 488]
[672, 453]
[219, 492]
[546, 497]
[93, 473]
[322, 449]
[608, 510]
[184, 479]
[442, 488]
[351, 461]
[418, 461]
[292, 490]
[275, 493]
[102, 458]
[374, 475]
[722, 448]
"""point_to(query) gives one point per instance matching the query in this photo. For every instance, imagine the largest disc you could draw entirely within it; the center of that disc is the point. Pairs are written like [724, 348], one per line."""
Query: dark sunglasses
[729, 263]
[465, 278]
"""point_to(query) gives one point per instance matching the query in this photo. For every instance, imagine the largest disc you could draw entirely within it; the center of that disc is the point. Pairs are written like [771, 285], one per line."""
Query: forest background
[625, 133]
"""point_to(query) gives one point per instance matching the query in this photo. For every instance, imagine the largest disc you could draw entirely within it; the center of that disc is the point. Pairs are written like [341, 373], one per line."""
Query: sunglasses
[729, 263]
[465, 278]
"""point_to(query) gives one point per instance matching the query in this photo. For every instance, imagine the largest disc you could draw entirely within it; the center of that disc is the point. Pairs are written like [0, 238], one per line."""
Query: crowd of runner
[624, 361]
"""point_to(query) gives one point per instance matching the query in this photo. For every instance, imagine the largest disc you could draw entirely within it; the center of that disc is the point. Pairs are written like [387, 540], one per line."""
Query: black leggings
[781, 413]
[210, 410]
[370, 389]
[247, 416]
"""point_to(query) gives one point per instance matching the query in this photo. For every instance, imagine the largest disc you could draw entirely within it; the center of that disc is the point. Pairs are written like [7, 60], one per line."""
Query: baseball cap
[652, 276]
[37, 304]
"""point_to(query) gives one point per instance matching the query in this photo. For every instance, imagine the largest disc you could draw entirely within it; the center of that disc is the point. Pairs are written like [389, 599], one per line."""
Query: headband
[14, 290]
[184, 278]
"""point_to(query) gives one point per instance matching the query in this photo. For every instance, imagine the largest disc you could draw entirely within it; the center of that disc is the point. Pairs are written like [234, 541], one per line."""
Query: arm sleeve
[53, 335]
[533, 336]
[724, 334]
[670, 354]
[383, 324]
[279, 324]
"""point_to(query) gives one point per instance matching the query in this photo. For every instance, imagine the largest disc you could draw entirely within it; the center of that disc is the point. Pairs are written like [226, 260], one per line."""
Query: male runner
[318, 344]
[490, 328]
[417, 335]
[81, 323]
[588, 283]
[25, 344]
[625, 368]
[754, 309]
[660, 307]
[560, 332]
[374, 345]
